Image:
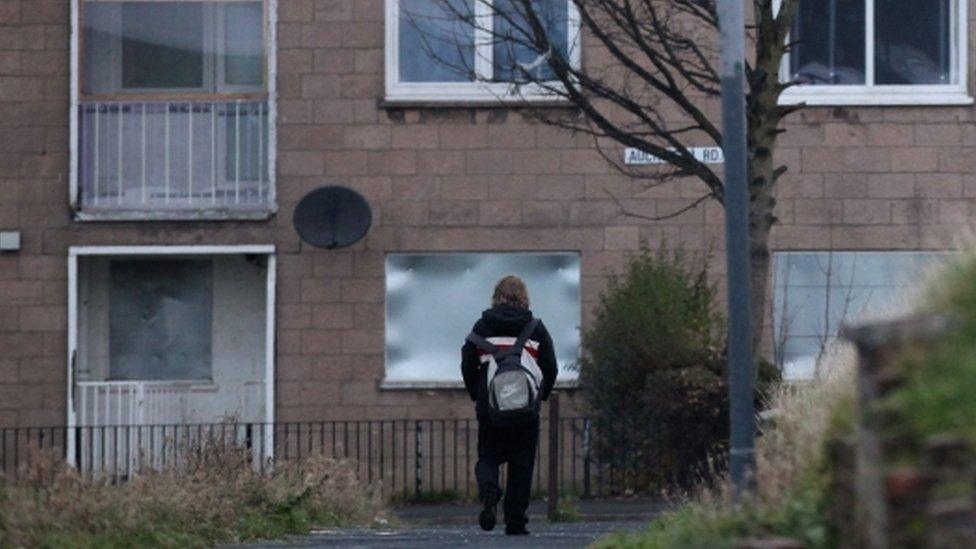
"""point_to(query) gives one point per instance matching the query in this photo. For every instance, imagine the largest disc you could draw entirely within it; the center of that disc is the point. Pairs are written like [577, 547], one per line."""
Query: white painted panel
[432, 301]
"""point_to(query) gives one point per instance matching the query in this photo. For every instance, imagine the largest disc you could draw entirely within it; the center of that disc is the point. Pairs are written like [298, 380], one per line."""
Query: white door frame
[267, 250]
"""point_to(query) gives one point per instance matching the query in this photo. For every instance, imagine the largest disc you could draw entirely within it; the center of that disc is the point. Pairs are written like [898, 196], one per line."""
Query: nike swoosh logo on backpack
[508, 391]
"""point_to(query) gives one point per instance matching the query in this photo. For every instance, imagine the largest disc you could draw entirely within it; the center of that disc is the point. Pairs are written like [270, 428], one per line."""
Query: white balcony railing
[104, 403]
[174, 159]
[125, 426]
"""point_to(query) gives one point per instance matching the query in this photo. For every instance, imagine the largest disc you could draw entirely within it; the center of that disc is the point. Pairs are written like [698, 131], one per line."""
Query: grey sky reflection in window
[432, 300]
[435, 44]
[816, 292]
[512, 51]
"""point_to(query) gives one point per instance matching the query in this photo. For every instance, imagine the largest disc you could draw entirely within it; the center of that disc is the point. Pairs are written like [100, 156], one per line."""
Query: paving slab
[455, 525]
[591, 510]
[578, 534]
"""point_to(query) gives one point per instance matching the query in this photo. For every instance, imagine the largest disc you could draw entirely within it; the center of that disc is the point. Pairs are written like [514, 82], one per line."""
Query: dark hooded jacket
[505, 321]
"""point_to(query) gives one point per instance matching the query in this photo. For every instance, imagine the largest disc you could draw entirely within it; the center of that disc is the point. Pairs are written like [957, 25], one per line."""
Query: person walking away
[509, 367]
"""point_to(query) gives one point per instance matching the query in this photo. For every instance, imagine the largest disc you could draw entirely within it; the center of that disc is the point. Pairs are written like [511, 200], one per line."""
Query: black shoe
[516, 531]
[487, 517]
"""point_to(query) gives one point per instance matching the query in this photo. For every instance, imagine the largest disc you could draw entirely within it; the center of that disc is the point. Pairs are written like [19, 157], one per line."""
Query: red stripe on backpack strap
[534, 353]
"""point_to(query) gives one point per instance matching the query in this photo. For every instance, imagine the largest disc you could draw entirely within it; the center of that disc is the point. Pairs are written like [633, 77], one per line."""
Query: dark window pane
[160, 319]
[912, 41]
[515, 58]
[436, 44]
[828, 38]
[162, 45]
[243, 57]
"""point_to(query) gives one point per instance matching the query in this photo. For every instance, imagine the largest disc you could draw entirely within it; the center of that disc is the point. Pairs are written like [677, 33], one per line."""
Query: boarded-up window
[432, 300]
[160, 319]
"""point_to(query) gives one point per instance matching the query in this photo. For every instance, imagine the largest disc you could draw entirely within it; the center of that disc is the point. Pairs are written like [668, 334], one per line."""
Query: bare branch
[667, 216]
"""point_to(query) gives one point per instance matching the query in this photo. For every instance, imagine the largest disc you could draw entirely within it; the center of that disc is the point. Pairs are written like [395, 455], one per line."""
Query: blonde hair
[510, 290]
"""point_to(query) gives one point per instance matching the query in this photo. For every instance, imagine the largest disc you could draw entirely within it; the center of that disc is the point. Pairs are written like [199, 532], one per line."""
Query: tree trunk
[759, 247]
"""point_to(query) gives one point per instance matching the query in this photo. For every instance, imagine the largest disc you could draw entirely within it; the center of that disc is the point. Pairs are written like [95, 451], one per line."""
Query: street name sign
[708, 155]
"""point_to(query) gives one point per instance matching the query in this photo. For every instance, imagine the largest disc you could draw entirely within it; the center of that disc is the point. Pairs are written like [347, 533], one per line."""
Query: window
[816, 292]
[423, 338]
[878, 52]
[472, 50]
[152, 47]
[172, 116]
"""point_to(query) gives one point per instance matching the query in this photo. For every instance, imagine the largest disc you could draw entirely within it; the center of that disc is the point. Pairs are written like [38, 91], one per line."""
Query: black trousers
[515, 446]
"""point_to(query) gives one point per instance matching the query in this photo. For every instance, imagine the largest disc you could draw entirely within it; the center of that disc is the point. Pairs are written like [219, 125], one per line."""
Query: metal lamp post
[741, 369]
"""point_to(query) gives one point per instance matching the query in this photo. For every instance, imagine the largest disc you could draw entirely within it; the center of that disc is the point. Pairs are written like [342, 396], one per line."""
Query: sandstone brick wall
[438, 179]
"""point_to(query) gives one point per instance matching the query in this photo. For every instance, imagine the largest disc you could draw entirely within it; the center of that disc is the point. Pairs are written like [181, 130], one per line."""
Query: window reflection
[828, 37]
[912, 41]
[816, 292]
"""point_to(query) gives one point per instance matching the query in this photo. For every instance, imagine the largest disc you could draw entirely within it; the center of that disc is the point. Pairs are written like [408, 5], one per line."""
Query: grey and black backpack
[513, 376]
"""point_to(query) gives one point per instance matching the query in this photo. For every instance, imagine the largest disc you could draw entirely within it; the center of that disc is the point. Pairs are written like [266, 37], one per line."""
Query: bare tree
[651, 84]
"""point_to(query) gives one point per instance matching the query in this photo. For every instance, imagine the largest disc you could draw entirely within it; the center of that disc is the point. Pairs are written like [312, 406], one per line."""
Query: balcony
[140, 160]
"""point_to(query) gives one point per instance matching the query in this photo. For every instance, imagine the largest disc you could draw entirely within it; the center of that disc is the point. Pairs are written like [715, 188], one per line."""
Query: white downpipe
[72, 350]
[269, 359]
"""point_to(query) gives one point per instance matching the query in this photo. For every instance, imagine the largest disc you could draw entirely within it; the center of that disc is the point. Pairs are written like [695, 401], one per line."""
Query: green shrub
[653, 373]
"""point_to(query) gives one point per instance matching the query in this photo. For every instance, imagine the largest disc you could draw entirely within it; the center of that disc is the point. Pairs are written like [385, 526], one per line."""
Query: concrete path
[443, 526]
[579, 534]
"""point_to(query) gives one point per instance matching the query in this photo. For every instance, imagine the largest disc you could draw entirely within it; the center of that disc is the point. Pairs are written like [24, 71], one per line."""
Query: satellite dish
[332, 217]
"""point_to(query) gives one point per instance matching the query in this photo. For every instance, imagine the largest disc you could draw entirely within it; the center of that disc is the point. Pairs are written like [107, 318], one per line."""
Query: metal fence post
[553, 494]
[419, 457]
[586, 458]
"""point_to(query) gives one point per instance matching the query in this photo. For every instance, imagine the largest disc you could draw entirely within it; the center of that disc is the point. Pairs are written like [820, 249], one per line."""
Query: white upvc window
[173, 111]
[878, 52]
[455, 51]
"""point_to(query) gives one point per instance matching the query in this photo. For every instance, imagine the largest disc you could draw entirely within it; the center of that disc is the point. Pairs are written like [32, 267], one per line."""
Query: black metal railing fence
[412, 459]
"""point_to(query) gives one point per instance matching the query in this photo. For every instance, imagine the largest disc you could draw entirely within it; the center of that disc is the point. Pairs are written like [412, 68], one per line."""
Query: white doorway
[164, 337]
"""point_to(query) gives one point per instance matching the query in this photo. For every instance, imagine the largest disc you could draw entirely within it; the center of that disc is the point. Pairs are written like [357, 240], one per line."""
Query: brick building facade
[440, 178]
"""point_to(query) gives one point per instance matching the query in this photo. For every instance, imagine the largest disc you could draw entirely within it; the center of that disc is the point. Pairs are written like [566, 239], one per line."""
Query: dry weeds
[215, 497]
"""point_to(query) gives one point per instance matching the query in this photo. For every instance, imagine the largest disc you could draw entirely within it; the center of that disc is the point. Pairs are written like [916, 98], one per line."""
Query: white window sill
[260, 213]
[400, 385]
[471, 94]
[876, 96]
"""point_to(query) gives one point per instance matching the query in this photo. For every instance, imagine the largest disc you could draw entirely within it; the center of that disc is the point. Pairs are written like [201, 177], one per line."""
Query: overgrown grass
[215, 498]
[567, 510]
[937, 397]
[799, 515]
[792, 482]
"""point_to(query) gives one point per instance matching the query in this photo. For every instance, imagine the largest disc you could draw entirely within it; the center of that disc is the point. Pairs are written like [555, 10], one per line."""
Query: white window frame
[956, 93]
[266, 250]
[480, 90]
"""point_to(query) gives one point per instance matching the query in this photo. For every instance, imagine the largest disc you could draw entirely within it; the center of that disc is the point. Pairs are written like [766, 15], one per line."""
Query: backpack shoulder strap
[482, 343]
[525, 335]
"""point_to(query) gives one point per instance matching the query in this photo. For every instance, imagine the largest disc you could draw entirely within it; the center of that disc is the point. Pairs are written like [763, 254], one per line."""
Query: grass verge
[792, 497]
[214, 498]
